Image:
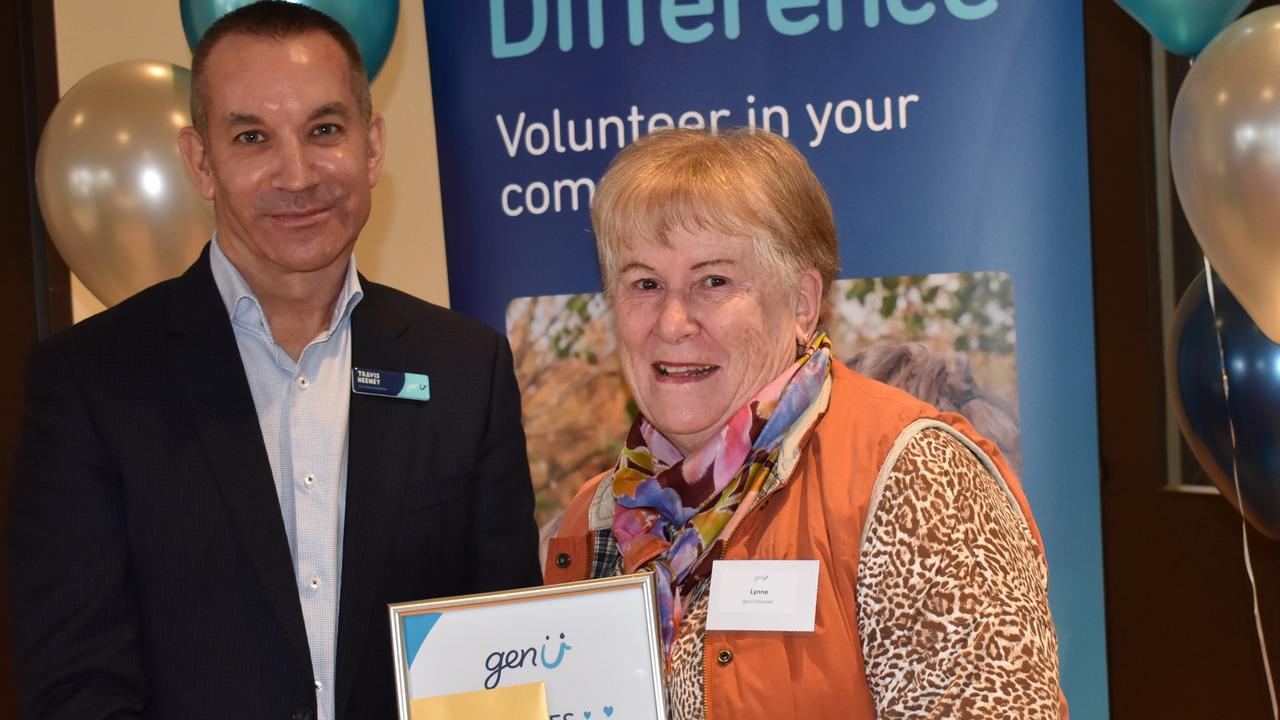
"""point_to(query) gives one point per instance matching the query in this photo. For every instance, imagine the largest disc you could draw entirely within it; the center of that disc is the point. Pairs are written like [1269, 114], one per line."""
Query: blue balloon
[371, 22]
[1184, 26]
[1253, 370]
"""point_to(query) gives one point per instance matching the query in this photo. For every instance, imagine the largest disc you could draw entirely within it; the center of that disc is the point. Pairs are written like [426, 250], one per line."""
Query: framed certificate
[593, 645]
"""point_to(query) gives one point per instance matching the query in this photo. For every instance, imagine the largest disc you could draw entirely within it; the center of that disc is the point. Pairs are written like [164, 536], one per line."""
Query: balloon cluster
[111, 183]
[1224, 149]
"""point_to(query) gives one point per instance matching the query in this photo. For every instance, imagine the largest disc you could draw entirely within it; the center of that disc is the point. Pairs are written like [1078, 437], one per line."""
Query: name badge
[777, 595]
[388, 383]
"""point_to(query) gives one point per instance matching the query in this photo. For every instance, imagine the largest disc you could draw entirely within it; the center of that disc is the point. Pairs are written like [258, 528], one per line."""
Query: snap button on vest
[563, 560]
[724, 657]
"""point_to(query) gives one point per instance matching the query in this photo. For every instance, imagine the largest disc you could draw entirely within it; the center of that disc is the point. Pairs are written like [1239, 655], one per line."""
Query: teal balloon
[1184, 27]
[372, 23]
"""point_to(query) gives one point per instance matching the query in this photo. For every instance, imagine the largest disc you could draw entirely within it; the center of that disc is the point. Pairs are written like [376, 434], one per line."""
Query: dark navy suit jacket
[150, 571]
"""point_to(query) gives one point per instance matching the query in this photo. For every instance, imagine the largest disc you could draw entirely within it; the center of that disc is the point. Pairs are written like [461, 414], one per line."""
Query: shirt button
[303, 383]
[315, 581]
[309, 479]
[724, 657]
[319, 686]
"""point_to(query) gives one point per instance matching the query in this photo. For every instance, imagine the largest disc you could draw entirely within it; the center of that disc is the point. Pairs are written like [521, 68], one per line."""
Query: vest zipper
[724, 550]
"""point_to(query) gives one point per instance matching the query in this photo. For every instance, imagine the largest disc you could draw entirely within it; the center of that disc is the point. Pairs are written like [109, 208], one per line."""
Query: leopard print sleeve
[952, 594]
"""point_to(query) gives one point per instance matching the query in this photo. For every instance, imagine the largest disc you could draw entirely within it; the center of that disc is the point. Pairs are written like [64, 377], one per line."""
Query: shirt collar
[241, 302]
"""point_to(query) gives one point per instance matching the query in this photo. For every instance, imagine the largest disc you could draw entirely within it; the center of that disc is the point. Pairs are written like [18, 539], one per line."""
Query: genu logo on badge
[500, 660]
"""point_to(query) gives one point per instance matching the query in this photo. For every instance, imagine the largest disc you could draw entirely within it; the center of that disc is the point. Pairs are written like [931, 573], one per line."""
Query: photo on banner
[947, 338]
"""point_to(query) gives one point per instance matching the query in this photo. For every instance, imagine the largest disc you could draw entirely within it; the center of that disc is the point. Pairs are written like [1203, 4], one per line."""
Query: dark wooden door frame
[36, 49]
[35, 294]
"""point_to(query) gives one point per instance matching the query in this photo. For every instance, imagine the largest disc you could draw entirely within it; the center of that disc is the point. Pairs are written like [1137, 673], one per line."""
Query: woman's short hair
[742, 183]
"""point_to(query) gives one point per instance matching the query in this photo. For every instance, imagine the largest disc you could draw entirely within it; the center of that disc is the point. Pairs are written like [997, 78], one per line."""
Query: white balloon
[112, 185]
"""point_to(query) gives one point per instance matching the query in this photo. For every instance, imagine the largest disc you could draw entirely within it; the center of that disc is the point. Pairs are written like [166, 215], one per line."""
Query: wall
[403, 244]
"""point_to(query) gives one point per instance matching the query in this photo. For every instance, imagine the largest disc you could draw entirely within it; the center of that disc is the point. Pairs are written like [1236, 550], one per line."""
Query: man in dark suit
[209, 514]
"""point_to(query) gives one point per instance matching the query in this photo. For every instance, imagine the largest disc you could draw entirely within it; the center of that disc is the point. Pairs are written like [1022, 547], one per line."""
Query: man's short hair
[276, 20]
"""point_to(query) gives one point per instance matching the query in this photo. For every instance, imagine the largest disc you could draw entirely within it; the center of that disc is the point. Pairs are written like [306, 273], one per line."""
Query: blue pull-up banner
[950, 135]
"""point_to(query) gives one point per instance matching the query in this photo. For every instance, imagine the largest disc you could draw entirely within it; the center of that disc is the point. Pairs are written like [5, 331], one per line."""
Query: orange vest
[818, 514]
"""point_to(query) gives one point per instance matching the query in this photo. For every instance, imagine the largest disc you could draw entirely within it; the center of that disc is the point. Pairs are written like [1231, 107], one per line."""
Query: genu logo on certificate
[557, 652]
[497, 661]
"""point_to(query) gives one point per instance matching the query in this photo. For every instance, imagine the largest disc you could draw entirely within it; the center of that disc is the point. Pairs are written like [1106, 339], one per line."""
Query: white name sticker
[778, 595]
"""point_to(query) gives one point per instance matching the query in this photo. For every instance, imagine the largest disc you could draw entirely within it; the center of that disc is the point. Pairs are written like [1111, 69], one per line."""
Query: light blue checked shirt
[302, 411]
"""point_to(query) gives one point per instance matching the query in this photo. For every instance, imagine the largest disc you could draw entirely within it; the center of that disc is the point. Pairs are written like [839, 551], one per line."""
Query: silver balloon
[112, 186]
[1225, 152]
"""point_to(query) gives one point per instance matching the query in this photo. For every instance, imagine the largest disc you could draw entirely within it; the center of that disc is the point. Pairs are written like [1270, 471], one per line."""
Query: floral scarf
[671, 511]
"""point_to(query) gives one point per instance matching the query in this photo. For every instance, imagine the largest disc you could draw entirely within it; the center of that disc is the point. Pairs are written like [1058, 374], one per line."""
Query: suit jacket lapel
[202, 356]
[380, 433]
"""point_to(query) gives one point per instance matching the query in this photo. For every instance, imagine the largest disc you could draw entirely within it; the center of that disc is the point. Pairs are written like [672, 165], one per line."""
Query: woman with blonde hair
[753, 443]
